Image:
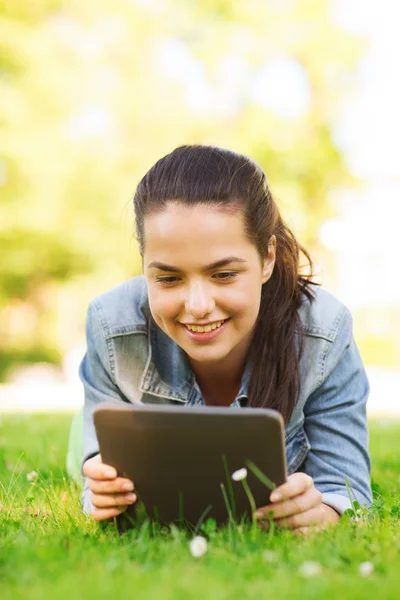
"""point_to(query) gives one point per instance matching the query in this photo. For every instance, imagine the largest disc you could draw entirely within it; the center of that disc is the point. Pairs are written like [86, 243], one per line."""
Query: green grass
[49, 549]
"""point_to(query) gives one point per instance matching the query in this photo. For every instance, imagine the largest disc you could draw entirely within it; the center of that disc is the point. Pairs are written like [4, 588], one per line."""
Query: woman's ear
[269, 262]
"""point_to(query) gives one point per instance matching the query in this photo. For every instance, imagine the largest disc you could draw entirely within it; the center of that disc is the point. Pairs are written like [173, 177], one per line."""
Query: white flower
[32, 476]
[310, 568]
[239, 474]
[198, 546]
[366, 568]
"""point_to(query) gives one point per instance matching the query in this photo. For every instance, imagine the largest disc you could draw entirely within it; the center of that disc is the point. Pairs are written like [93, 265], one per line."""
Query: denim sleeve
[336, 424]
[99, 387]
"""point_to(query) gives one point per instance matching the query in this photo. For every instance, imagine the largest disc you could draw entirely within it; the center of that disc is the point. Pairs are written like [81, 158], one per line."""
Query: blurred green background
[92, 94]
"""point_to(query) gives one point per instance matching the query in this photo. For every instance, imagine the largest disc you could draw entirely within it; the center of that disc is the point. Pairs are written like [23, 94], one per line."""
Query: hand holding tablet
[178, 457]
[111, 495]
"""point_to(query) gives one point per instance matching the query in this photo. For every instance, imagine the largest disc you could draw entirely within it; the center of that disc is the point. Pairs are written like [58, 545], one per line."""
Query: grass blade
[260, 475]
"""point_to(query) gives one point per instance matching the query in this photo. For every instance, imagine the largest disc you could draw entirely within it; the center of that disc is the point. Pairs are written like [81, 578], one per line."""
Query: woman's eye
[166, 280]
[226, 275]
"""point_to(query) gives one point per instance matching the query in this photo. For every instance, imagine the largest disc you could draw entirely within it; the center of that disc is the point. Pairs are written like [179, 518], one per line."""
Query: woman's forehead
[193, 226]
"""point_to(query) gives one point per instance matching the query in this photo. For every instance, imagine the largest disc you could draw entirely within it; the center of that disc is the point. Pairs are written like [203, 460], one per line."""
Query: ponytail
[278, 340]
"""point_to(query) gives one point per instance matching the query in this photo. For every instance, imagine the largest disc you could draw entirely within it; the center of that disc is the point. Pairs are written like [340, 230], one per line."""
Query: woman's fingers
[103, 501]
[296, 484]
[111, 495]
[94, 468]
[297, 505]
[312, 497]
[102, 514]
[296, 495]
[112, 486]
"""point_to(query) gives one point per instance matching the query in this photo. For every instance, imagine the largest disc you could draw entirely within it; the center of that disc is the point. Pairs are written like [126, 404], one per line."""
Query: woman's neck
[222, 377]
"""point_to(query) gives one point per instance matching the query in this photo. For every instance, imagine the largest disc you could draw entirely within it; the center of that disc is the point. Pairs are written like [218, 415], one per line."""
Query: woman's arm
[96, 375]
[336, 426]
[99, 387]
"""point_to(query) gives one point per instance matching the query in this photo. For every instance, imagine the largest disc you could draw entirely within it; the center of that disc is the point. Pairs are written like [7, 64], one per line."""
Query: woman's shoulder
[323, 315]
[124, 308]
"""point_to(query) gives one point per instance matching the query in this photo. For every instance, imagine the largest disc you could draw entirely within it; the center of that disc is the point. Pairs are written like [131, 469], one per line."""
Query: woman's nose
[198, 302]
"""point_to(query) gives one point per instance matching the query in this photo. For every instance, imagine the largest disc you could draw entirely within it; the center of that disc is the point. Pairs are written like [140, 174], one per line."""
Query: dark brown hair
[227, 180]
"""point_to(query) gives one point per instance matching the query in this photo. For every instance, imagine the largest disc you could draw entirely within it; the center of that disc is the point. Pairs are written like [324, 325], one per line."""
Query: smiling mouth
[205, 328]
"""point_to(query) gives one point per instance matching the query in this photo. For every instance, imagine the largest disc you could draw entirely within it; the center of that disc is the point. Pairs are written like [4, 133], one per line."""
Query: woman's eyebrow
[219, 263]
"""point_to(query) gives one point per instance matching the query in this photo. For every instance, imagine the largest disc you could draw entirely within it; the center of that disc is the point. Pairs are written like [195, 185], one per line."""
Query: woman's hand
[297, 505]
[111, 495]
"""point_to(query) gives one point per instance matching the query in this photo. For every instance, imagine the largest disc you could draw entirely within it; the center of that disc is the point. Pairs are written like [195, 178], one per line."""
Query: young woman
[223, 316]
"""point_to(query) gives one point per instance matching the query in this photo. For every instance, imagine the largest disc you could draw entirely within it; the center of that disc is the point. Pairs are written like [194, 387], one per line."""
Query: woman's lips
[205, 336]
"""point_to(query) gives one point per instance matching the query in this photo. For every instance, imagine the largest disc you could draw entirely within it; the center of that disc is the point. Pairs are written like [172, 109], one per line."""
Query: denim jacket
[130, 359]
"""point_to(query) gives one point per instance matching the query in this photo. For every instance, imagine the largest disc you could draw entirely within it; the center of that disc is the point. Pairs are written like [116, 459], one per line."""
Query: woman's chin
[204, 355]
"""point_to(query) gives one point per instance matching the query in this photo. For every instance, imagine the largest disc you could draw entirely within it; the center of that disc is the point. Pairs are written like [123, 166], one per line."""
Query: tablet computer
[181, 459]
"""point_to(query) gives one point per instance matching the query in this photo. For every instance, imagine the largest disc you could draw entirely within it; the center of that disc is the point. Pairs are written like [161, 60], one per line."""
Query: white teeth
[200, 329]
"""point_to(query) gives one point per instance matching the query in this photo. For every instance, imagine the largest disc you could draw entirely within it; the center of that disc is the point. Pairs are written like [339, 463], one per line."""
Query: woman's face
[186, 286]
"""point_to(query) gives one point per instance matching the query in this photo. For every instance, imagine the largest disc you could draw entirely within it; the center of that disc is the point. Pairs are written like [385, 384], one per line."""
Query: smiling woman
[222, 316]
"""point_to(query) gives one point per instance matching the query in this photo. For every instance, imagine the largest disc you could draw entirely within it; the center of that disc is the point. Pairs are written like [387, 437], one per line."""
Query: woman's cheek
[163, 313]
